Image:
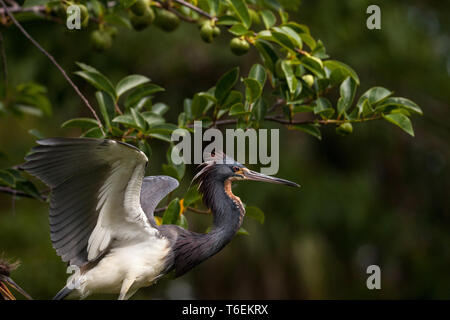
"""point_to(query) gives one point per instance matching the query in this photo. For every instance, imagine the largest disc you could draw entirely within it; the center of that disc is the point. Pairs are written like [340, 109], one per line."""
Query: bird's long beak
[256, 176]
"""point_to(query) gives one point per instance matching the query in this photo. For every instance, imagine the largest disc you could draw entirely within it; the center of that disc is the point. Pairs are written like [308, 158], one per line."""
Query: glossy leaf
[340, 71]
[99, 81]
[83, 123]
[253, 89]
[7, 178]
[225, 84]
[172, 213]
[347, 90]
[241, 10]
[130, 82]
[401, 121]
[268, 18]
[237, 109]
[258, 72]
[106, 106]
[402, 103]
[255, 213]
[311, 129]
[139, 119]
[238, 30]
[289, 74]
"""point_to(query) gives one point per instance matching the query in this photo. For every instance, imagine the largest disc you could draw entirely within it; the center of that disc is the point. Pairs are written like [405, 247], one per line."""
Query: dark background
[377, 196]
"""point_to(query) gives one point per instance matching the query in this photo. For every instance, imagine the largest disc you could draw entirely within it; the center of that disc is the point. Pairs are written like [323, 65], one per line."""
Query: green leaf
[347, 90]
[225, 84]
[153, 119]
[237, 109]
[182, 222]
[127, 120]
[233, 98]
[162, 137]
[241, 9]
[238, 30]
[7, 178]
[141, 92]
[282, 39]
[253, 89]
[373, 96]
[29, 188]
[267, 53]
[242, 232]
[36, 133]
[192, 196]
[340, 71]
[139, 119]
[401, 121]
[290, 76]
[313, 64]
[291, 34]
[268, 18]
[172, 213]
[106, 106]
[99, 81]
[83, 123]
[199, 104]
[258, 72]
[130, 82]
[323, 107]
[93, 133]
[160, 108]
[398, 102]
[255, 213]
[311, 129]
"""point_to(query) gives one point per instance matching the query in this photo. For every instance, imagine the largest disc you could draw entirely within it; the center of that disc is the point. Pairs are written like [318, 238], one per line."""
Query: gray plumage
[101, 213]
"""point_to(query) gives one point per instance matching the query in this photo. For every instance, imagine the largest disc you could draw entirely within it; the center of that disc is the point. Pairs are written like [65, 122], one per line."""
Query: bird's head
[220, 167]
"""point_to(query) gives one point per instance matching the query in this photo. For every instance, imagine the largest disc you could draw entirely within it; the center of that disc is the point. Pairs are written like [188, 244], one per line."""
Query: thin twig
[63, 72]
[17, 193]
[194, 8]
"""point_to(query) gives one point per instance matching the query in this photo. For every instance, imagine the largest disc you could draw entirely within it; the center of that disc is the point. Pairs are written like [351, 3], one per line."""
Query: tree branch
[63, 72]
[194, 8]
[18, 193]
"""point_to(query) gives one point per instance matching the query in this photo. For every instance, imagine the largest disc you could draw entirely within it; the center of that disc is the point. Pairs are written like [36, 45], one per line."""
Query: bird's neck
[227, 209]
[228, 213]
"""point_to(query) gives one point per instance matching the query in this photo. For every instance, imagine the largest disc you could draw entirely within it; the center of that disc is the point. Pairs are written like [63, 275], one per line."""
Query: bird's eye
[235, 169]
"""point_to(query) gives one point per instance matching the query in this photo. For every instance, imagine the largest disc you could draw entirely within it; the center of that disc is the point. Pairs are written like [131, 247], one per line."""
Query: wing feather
[96, 186]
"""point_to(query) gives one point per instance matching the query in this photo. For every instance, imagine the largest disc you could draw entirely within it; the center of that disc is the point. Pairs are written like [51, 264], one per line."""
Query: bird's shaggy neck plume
[228, 213]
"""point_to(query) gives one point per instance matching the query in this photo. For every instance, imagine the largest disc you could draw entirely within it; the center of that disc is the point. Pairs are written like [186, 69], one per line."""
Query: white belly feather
[142, 263]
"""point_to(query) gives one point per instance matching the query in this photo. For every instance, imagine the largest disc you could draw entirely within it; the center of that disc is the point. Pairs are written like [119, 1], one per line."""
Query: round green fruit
[207, 32]
[139, 8]
[166, 20]
[141, 22]
[239, 46]
[309, 80]
[101, 40]
[344, 129]
[216, 31]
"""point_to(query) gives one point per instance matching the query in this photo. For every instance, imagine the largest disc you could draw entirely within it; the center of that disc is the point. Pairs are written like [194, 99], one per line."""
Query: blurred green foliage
[376, 196]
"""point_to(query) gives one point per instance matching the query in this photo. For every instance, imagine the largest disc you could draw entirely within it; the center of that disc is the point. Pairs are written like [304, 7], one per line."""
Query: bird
[102, 213]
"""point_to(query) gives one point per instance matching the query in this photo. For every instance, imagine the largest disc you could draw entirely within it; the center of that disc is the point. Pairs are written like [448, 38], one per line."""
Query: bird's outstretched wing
[154, 189]
[95, 199]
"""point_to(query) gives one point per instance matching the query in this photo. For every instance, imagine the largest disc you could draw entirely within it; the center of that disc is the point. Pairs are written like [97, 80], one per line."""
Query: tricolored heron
[101, 213]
